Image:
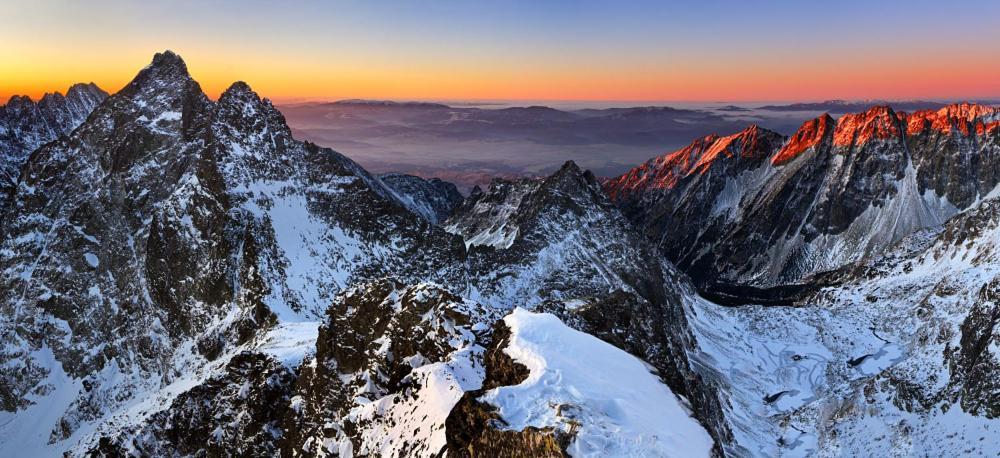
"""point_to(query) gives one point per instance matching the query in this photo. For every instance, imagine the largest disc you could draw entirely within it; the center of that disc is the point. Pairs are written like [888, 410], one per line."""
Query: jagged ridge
[831, 194]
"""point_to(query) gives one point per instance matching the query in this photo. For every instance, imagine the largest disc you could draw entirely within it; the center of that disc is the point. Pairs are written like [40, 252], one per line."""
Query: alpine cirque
[181, 276]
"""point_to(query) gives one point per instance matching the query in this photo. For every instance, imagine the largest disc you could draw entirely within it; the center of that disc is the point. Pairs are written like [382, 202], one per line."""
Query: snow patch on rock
[610, 400]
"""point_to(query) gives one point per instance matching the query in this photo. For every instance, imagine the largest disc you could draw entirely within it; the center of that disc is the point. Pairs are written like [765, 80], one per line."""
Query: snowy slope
[879, 364]
[609, 401]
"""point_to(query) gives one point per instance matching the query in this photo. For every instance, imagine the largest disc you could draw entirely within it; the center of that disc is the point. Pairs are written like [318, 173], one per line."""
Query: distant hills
[469, 143]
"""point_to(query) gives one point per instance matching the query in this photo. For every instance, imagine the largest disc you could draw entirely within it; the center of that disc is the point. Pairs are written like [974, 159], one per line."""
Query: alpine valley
[179, 276]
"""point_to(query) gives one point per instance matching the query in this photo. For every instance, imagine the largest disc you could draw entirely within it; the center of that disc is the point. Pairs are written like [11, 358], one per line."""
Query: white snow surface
[91, 259]
[821, 376]
[611, 400]
[419, 418]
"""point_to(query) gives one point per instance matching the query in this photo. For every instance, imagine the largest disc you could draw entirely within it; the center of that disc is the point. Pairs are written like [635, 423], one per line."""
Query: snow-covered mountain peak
[510, 210]
[26, 125]
[433, 199]
[241, 93]
[82, 88]
[81, 94]
[831, 194]
[78, 92]
[242, 108]
[749, 143]
[162, 102]
[165, 83]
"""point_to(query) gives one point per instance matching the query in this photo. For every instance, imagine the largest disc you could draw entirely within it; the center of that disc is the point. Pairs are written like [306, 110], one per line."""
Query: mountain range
[469, 145]
[181, 276]
[25, 125]
[762, 209]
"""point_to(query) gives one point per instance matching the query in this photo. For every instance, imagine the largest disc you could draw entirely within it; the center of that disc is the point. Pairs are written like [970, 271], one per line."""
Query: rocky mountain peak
[79, 92]
[433, 199]
[18, 103]
[85, 91]
[255, 130]
[967, 111]
[52, 97]
[83, 87]
[167, 71]
[878, 168]
[26, 125]
[752, 144]
[240, 99]
[879, 122]
[240, 90]
[569, 167]
[168, 60]
[78, 102]
[570, 188]
[570, 170]
[808, 136]
[965, 117]
[162, 100]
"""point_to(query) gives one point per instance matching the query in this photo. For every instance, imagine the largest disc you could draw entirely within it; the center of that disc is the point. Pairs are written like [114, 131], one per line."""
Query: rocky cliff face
[833, 193]
[169, 231]
[432, 198]
[26, 125]
[391, 362]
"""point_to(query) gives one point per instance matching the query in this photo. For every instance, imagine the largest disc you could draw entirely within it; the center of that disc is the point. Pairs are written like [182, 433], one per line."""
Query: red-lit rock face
[664, 172]
[809, 135]
[878, 122]
[987, 128]
[964, 117]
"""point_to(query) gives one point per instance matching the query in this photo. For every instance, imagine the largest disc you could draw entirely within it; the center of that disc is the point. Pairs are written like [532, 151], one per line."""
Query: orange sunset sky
[548, 50]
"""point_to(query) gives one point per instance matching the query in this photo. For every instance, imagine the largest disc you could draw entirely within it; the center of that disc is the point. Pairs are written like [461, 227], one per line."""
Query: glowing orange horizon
[288, 79]
[725, 50]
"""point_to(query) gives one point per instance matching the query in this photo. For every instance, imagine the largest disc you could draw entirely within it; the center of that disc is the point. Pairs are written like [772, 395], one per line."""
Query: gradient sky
[700, 50]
